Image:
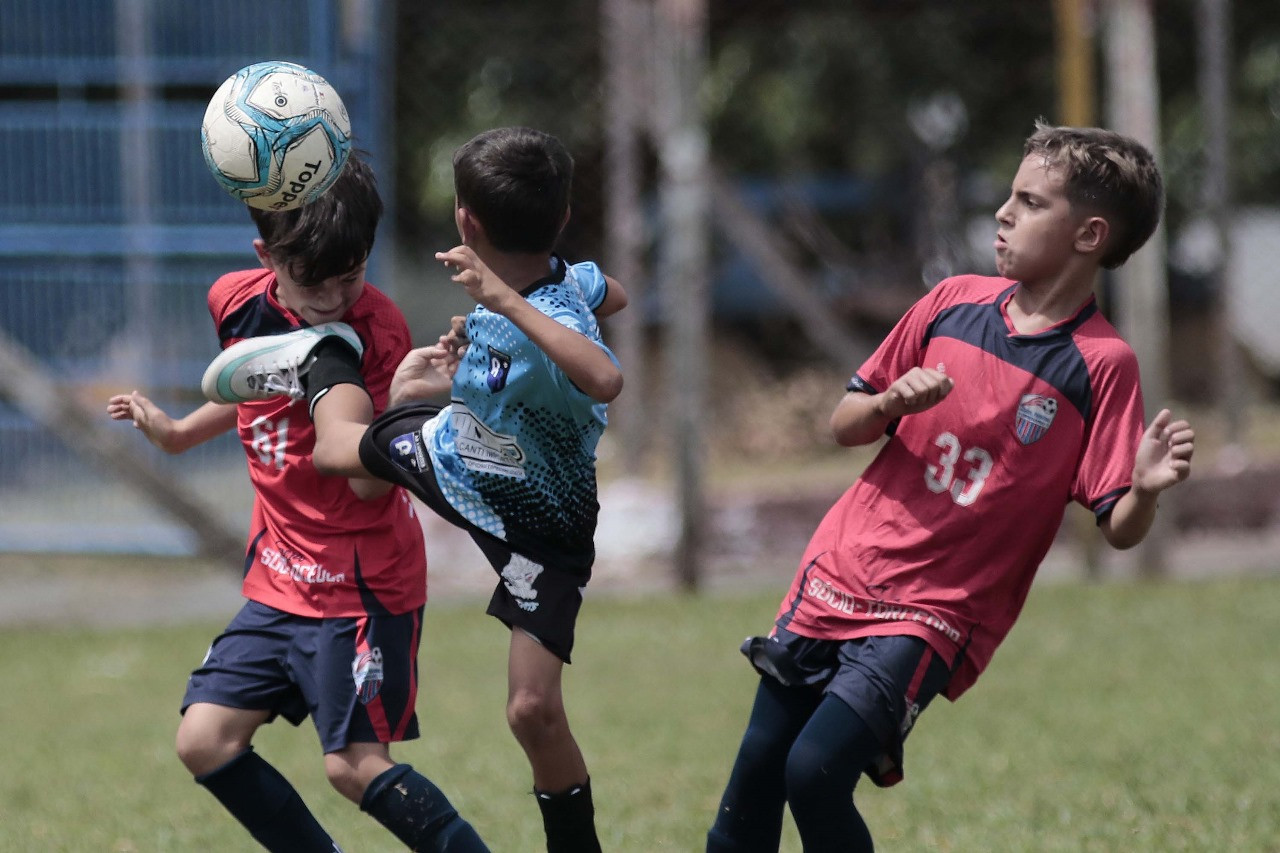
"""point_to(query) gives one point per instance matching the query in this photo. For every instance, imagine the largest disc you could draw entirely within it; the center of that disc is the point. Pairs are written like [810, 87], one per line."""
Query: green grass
[1115, 718]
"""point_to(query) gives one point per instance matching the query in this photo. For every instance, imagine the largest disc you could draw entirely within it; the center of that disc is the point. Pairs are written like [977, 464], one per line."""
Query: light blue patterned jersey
[515, 451]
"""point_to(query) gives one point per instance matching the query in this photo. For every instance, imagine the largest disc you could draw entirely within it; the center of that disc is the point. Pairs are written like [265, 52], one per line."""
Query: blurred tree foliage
[820, 87]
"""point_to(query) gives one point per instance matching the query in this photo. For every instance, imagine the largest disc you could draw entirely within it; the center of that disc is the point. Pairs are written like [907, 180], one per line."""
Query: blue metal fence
[111, 230]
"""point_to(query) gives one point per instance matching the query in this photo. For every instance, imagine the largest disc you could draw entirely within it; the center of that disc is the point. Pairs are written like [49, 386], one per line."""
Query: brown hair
[1109, 173]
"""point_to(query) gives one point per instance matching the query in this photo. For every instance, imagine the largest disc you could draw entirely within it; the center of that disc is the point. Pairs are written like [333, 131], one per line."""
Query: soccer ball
[276, 135]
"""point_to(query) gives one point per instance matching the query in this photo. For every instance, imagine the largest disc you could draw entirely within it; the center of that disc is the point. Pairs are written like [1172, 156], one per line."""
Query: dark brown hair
[517, 182]
[330, 236]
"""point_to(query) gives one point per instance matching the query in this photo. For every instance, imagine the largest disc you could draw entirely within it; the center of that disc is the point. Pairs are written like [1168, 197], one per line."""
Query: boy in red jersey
[1003, 399]
[335, 570]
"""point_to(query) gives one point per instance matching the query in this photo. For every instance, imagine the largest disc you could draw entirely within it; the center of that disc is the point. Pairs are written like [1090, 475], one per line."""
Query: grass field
[1116, 717]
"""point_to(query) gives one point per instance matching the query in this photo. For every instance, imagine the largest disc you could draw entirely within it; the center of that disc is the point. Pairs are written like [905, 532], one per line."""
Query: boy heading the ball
[511, 459]
[335, 570]
[1003, 398]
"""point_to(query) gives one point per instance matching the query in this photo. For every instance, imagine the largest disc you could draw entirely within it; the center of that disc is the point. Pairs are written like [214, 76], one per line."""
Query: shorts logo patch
[366, 669]
[1035, 414]
[519, 576]
[407, 452]
[499, 368]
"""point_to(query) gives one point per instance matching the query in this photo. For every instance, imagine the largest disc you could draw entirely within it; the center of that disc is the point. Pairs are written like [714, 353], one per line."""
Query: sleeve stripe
[1103, 505]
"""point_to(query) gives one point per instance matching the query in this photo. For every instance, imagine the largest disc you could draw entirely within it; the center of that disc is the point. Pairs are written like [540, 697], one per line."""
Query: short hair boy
[511, 459]
[1003, 398]
[335, 570]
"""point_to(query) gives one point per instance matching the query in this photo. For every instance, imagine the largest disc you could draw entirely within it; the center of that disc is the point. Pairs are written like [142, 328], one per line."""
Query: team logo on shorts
[406, 452]
[1035, 414]
[366, 669]
[499, 367]
[519, 576]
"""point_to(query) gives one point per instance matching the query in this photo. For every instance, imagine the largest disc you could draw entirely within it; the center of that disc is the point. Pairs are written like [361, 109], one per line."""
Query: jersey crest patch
[1035, 414]
[499, 367]
[366, 669]
[407, 452]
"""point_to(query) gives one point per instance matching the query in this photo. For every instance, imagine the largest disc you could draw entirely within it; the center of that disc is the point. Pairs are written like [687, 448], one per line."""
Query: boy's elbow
[848, 434]
[1122, 539]
[323, 466]
[326, 461]
[367, 490]
[1121, 543]
[609, 388]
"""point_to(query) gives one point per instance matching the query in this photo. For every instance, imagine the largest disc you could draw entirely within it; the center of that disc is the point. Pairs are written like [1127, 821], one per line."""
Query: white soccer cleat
[270, 365]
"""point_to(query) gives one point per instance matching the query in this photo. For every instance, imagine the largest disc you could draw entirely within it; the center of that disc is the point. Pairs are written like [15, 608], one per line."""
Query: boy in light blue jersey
[511, 459]
[516, 453]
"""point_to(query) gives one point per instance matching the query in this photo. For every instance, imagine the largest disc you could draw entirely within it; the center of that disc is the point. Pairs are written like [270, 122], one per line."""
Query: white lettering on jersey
[846, 602]
[293, 565]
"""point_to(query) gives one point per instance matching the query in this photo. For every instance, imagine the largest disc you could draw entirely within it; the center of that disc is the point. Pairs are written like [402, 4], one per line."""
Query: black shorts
[888, 681]
[356, 677]
[539, 590]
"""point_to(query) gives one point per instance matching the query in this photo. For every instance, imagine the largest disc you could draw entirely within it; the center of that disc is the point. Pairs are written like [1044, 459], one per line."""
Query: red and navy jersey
[315, 549]
[941, 536]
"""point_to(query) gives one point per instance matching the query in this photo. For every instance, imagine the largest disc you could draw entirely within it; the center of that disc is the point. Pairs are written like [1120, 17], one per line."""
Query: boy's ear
[1092, 234]
[264, 257]
[469, 228]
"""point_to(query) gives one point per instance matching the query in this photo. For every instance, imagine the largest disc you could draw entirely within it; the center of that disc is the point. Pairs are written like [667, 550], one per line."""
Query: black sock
[418, 813]
[568, 817]
[260, 798]
[333, 361]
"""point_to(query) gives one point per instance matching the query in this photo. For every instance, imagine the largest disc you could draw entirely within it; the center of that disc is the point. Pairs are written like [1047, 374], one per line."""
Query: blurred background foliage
[818, 88]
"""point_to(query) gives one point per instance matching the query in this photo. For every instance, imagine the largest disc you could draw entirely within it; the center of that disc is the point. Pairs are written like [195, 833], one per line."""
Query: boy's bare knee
[201, 751]
[344, 777]
[211, 735]
[351, 769]
[533, 714]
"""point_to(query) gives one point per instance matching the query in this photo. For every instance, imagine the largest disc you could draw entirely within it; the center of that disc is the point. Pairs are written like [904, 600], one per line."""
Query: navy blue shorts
[887, 681]
[539, 590]
[357, 677]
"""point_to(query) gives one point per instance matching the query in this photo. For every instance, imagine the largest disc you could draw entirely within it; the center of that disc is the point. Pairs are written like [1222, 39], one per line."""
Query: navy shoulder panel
[1051, 355]
[255, 317]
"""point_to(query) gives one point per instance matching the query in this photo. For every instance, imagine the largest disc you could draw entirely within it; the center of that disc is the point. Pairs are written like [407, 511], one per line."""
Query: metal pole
[1215, 100]
[1077, 101]
[1141, 286]
[1076, 81]
[682, 150]
[626, 31]
[137, 193]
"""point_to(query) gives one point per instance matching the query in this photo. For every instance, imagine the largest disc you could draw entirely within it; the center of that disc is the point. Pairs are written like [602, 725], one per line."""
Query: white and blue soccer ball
[276, 135]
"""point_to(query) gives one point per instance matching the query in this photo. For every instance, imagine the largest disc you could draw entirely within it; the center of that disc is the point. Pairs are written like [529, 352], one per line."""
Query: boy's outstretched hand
[1164, 454]
[147, 417]
[480, 282]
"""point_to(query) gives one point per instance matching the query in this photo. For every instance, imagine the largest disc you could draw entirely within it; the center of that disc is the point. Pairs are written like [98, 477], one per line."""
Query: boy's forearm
[341, 417]
[1131, 519]
[857, 420]
[207, 422]
[586, 364]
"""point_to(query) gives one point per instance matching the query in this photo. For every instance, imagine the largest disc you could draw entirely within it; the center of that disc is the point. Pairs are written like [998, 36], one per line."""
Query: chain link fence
[111, 231]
